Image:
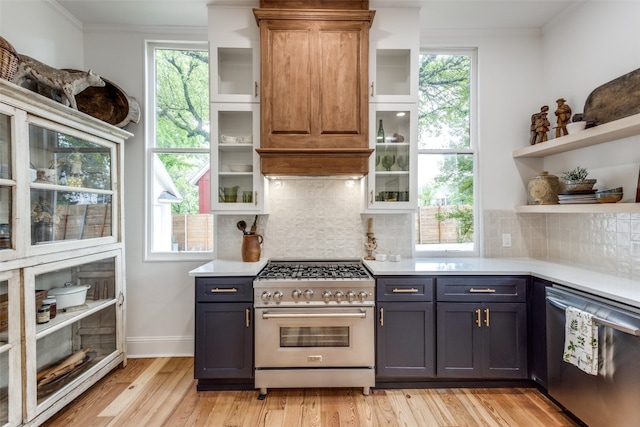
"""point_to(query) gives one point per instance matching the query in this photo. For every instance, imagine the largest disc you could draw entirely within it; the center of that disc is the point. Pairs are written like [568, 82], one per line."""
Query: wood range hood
[314, 112]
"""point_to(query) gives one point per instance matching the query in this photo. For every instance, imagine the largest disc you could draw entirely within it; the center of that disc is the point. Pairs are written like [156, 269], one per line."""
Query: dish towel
[581, 340]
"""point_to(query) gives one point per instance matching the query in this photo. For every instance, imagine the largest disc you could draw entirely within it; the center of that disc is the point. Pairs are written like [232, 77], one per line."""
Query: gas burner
[284, 270]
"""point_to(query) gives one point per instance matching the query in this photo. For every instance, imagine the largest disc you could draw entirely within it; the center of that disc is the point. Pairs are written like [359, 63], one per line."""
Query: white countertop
[222, 267]
[616, 288]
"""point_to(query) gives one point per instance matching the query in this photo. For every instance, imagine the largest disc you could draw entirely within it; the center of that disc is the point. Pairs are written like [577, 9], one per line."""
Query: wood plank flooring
[162, 392]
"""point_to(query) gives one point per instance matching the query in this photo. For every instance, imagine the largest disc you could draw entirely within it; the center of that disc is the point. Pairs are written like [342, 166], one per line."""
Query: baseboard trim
[138, 347]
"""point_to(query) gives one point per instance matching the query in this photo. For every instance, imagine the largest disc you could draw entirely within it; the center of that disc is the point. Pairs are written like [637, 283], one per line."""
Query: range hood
[347, 162]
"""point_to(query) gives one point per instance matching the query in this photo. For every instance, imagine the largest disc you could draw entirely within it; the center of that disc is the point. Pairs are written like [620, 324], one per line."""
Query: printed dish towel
[581, 340]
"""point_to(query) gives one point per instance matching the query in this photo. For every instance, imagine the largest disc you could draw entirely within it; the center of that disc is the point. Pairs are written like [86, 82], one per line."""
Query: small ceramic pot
[543, 189]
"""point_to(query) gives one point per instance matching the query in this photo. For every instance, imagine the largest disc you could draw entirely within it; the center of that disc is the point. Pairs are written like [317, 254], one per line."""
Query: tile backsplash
[322, 219]
[316, 218]
[606, 242]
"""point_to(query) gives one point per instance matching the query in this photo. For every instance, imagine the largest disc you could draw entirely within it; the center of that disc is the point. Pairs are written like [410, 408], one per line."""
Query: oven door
[314, 337]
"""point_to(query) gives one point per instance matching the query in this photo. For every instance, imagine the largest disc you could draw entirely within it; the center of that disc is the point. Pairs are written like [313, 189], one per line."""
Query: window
[447, 155]
[180, 224]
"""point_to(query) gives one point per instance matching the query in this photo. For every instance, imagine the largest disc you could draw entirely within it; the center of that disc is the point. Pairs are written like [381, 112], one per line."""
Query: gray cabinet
[482, 327]
[538, 331]
[405, 329]
[224, 333]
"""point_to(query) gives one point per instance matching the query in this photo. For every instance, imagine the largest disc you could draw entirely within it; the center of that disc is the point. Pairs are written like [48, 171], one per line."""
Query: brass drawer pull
[482, 291]
[224, 290]
[405, 291]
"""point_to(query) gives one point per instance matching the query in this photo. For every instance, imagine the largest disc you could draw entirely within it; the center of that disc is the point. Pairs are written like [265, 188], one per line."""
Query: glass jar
[43, 315]
[51, 302]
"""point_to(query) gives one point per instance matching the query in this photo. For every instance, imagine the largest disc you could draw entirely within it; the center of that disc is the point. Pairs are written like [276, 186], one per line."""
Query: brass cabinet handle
[486, 317]
[381, 316]
[224, 290]
[247, 317]
[255, 198]
[405, 291]
[372, 91]
[255, 89]
[371, 196]
[478, 320]
[482, 291]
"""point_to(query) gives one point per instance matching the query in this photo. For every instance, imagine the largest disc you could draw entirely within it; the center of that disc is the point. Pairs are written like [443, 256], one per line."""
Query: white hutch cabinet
[237, 186]
[393, 74]
[61, 223]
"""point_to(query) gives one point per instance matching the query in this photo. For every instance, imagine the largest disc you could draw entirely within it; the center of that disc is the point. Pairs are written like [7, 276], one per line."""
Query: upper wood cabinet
[314, 99]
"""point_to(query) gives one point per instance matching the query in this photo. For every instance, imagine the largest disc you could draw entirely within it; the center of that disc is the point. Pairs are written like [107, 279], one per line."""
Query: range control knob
[339, 296]
[308, 294]
[277, 296]
[296, 294]
[362, 295]
[326, 296]
[266, 296]
[351, 296]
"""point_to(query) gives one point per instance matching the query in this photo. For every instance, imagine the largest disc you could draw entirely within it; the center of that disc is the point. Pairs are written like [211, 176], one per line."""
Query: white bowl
[240, 168]
[228, 139]
[574, 127]
[69, 296]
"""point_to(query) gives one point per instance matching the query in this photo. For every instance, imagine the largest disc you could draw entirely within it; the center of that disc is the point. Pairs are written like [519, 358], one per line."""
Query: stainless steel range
[314, 325]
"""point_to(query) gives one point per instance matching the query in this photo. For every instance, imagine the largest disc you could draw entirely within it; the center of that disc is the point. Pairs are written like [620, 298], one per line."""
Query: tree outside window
[446, 154]
[178, 155]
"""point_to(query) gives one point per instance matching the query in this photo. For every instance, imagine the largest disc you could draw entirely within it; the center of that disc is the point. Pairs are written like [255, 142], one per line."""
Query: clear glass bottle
[380, 138]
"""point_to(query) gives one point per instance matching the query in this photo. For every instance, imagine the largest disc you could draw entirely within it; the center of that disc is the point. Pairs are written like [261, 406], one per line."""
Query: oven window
[314, 336]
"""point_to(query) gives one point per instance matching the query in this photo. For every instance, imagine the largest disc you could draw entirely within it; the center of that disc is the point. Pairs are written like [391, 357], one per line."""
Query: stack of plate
[575, 197]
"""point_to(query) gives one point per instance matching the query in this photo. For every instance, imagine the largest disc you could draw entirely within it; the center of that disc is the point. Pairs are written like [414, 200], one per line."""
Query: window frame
[473, 150]
[151, 150]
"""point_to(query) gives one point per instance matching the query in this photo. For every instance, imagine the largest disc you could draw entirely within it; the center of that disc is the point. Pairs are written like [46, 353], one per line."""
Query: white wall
[594, 44]
[43, 30]
[516, 70]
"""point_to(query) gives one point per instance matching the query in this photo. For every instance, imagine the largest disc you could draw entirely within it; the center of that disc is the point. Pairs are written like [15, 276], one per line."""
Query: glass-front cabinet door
[392, 176]
[72, 186]
[235, 73]
[393, 58]
[10, 360]
[236, 182]
[7, 182]
[79, 336]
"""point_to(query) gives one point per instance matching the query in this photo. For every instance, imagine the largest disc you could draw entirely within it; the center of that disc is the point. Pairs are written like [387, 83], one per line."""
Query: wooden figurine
[539, 126]
[563, 114]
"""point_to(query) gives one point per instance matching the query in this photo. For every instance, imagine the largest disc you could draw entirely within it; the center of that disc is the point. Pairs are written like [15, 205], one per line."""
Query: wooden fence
[193, 232]
[431, 231]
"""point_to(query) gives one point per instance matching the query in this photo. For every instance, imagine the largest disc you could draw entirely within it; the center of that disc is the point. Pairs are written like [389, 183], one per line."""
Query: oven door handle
[267, 315]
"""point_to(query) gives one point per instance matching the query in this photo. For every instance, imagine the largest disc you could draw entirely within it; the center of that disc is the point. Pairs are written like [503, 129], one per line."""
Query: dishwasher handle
[604, 322]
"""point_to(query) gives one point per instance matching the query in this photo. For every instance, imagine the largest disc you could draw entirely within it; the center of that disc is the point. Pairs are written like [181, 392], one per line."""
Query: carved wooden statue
[63, 84]
[563, 114]
[539, 126]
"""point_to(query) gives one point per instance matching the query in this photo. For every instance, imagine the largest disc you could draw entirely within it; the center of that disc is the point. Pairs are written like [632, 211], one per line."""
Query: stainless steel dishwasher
[610, 398]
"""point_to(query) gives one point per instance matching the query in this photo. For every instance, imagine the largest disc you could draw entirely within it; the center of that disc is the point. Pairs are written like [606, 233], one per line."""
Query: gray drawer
[482, 289]
[406, 288]
[224, 289]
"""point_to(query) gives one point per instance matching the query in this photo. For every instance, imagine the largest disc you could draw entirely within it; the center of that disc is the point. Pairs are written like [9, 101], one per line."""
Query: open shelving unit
[612, 131]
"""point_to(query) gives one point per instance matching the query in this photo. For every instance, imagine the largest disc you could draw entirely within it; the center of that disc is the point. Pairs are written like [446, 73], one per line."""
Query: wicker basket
[8, 60]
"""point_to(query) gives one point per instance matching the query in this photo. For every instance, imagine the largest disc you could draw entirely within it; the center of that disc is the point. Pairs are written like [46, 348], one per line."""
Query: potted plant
[576, 180]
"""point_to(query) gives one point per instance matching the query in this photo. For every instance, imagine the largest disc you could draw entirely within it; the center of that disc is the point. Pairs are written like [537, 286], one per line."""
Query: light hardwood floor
[162, 392]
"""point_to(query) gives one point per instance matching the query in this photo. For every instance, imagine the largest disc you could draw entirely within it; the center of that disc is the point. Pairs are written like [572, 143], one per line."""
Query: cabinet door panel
[505, 340]
[340, 109]
[224, 341]
[290, 85]
[459, 341]
[406, 340]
